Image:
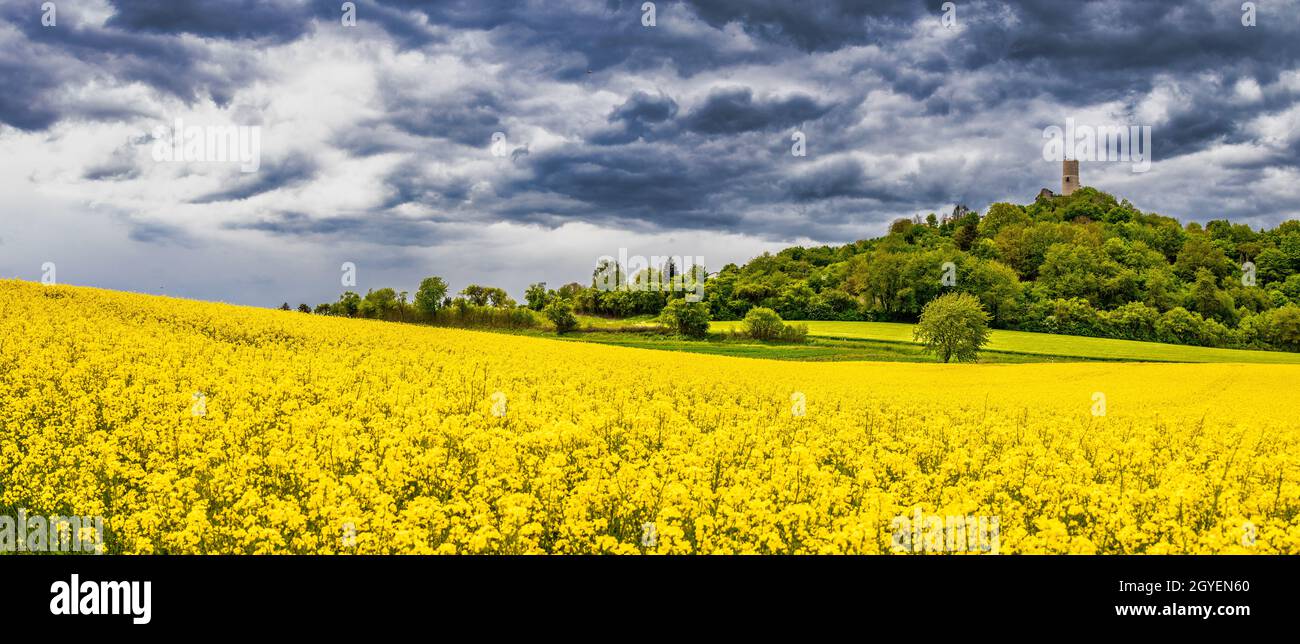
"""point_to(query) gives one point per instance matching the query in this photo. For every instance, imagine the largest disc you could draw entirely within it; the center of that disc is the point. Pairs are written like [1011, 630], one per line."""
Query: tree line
[475, 305]
[1083, 264]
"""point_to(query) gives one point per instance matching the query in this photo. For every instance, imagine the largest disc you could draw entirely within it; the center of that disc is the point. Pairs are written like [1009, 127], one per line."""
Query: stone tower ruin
[1069, 176]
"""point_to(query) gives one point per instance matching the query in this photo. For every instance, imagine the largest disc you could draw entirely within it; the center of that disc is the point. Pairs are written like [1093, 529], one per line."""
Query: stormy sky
[513, 142]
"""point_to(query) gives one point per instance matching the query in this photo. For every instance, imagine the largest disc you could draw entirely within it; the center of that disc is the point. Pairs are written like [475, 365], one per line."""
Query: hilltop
[1083, 264]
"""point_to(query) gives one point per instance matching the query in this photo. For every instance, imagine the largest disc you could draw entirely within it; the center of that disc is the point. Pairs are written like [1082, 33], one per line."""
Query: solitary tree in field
[560, 313]
[953, 326]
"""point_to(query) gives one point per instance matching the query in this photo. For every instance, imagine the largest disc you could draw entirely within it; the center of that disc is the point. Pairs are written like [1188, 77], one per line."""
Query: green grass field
[816, 350]
[593, 322]
[1045, 344]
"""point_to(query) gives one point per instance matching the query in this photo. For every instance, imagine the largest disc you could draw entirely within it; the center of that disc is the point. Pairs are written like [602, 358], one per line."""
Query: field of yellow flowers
[206, 428]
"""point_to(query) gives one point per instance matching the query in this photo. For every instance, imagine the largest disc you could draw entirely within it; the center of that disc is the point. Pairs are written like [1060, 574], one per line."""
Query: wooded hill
[1083, 264]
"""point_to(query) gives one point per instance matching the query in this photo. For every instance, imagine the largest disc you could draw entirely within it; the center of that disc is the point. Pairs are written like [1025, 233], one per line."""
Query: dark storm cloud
[636, 118]
[841, 178]
[407, 184]
[51, 61]
[293, 170]
[582, 38]
[642, 186]
[277, 20]
[734, 110]
[1114, 47]
[815, 26]
[157, 233]
[26, 83]
[384, 230]
[468, 119]
[692, 119]
[1117, 49]
[644, 108]
[1137, 37]
[1193, 130]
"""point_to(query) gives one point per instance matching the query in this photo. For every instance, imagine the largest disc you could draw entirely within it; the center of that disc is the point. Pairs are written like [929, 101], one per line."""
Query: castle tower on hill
[1069, 176]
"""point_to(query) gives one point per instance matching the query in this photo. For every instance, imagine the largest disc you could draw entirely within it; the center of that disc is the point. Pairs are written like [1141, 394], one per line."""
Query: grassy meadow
[1043, 344]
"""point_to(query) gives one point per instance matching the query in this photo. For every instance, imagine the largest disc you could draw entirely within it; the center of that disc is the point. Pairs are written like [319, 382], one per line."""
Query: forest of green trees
[1083, 264]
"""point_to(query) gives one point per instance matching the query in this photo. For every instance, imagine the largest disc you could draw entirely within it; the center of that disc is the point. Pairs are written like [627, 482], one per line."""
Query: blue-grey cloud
[686, 125]
[277, 20]
[290, 171]
[381, 229]
[636, 119]
[731, 111]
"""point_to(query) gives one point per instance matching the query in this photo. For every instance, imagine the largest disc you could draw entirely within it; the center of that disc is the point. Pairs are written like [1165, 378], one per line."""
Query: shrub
[762, 324]
[560, 313]
[765, 324]
[794, 333]
[687, 318]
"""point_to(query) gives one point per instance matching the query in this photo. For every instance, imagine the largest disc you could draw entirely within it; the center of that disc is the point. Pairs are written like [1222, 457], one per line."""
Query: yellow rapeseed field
[206, 428]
